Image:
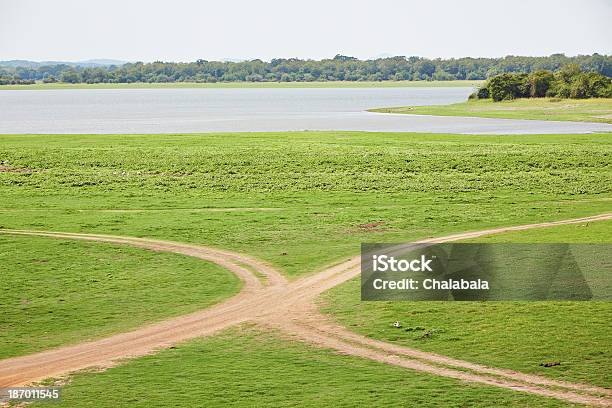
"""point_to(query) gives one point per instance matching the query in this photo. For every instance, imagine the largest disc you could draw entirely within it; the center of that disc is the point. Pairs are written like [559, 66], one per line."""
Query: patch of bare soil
[372, 227]
[10, 169]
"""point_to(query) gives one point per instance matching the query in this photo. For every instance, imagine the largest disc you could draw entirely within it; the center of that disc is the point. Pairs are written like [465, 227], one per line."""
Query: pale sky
[185, 30]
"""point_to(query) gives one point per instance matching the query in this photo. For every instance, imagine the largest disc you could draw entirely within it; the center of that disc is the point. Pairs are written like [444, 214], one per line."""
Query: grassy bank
[244, 367]
[578, 110]
[515, 335]
[317, 84]
[56, 292]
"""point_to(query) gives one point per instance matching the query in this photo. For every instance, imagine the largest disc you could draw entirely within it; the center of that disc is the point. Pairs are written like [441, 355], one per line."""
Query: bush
[579, 88]
[569, 82]
[539, 82]
[6, 80]
[48, 79]
[483, 92]
[600, 86]
[71, 77]
[508, 86]
[568, 73]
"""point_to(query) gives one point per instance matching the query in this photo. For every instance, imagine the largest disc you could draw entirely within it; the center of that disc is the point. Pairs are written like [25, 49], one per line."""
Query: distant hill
[101, 61]
[86, 63]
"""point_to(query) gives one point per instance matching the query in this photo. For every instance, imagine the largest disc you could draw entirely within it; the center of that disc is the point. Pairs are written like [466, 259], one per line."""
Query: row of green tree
[569, 82]
[339, 68]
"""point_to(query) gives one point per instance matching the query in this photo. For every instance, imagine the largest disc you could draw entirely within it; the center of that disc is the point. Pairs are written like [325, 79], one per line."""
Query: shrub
[590, 85]
[480, 93]
[579, 88]
[600, 86]
[71, 76]
[483, 92]
[508, 86]
[568, 73]
[539, 82]
[569, 82]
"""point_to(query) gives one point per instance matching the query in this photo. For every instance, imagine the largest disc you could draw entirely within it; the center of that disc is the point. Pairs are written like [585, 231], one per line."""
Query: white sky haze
[185, 30]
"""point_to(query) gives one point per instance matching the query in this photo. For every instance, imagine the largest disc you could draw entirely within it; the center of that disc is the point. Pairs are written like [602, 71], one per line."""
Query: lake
[261, 109]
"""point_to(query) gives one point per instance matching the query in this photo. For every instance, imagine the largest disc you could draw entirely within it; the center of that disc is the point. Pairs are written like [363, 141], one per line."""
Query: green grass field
[244, 367]
[516, 335]
[298, 200]
[577, 110]
[302, 201]
[57, 292]
[314, 84]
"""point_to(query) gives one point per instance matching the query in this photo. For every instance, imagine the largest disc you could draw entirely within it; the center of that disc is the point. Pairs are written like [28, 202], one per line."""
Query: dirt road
[269, 300]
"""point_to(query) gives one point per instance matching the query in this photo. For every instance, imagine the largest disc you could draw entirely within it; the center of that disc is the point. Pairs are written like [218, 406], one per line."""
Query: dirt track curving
[274, 302]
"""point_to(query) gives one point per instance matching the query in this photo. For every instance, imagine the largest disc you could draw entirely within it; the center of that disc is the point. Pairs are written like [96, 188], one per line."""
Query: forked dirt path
[271, 301]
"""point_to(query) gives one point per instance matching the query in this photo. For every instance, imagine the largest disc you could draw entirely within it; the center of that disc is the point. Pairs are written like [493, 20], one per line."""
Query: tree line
[339, 68]
[568, 82]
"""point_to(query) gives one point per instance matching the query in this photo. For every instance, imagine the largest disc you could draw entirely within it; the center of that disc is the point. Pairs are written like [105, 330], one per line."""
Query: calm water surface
[208, 110]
